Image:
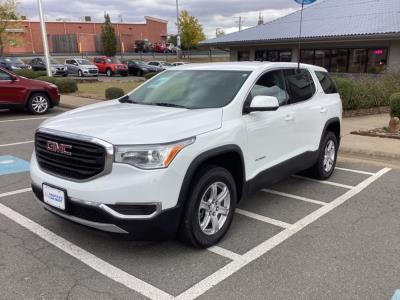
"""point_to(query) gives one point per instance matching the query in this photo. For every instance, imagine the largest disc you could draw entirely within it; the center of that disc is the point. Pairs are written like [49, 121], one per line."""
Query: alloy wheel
[214, 208]
[329, 156]
[40, 104]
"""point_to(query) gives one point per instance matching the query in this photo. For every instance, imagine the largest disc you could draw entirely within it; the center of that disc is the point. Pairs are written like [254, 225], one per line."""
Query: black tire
[109, 73]
[65, 75]
[34, 104]
[319, 171]
[190, 231]
[139, 73]
[80, 73]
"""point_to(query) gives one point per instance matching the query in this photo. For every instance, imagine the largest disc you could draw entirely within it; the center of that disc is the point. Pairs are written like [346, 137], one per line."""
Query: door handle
[289, 116]
[323, 110]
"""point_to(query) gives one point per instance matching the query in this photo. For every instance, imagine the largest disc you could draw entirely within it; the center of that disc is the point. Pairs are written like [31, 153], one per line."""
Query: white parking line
[225, 272]
[263, 218]
[15, 192]
[15, 144]
[349, 187]
[225, 252]
[26, 119]
[355, 171]
[86, 257]
[294, 197]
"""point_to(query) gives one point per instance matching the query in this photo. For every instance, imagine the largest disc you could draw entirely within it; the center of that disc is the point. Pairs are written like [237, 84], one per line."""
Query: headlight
[53, 69]
[150, 156]
[15, 68]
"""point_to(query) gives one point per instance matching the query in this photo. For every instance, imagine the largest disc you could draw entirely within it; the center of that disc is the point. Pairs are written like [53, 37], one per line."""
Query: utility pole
[240, 22]
[44, 38]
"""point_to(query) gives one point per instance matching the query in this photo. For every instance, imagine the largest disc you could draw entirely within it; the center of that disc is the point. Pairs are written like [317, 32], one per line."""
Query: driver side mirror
[263, 103]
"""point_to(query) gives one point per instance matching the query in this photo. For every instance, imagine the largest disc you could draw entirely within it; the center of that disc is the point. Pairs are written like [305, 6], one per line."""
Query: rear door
[304, 111]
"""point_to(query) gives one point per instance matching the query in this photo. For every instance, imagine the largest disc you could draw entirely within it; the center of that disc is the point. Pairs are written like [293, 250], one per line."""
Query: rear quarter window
[300, 85]
[326, 82]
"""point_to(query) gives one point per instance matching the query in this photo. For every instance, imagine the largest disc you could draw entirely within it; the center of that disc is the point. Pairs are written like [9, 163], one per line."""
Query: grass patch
[98, 90]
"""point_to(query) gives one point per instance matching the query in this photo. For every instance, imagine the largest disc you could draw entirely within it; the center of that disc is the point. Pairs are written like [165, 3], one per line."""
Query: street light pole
[44, 38]
[178, 37]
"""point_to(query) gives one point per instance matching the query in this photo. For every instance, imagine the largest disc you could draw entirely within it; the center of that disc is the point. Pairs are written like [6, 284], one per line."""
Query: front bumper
[164, 225]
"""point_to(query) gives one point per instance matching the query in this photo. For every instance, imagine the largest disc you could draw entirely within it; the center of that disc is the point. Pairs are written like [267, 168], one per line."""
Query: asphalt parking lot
[299, 239]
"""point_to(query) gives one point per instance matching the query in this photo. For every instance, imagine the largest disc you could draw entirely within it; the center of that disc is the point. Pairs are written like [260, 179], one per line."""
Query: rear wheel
[324, 167]
[209, 211]
[109, 73]
[39, 104]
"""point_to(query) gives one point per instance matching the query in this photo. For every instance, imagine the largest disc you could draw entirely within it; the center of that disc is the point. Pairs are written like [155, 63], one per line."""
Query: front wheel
[80, 73]
[210, 208]
[109, 73]
[39, 104]
[324, 167]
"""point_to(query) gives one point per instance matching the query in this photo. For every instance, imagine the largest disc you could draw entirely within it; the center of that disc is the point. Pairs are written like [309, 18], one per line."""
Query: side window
[326, 82]
[300, 85]
[4, 76]
[68, 62]
[271, 84]
[152, 63]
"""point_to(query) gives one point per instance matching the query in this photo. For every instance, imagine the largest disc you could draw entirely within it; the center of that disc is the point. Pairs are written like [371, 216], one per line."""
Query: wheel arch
[32, 92]
[332, 125]
[228, 156]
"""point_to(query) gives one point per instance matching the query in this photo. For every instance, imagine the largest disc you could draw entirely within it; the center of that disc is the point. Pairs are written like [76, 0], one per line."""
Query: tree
[173, 39]
[108, 37]
[8, 18]
[191, 30]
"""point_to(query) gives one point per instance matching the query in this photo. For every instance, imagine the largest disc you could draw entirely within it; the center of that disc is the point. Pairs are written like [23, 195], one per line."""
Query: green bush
[66, 85]
[114, 93]
[52, 80]
[366, 91]
[395, 105]
[150, 75]
[30, 73]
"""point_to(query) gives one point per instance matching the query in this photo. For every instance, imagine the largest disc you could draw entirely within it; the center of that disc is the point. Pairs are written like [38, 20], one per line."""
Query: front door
[10, 90]
[270, 133]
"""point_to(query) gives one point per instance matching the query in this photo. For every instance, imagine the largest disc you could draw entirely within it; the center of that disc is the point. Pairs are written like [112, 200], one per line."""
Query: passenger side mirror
[263, 103]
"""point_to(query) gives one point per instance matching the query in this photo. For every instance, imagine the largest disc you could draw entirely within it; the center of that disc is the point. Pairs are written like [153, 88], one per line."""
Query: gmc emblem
[59, 148]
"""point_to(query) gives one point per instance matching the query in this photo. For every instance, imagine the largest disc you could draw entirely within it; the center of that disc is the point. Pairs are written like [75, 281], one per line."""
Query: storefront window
[307, 56]
[376, 60]
[243, 55]
[322, 58]
[261, 55]
[357, 60]
[273, 55]
[285, 56]
[339, 58]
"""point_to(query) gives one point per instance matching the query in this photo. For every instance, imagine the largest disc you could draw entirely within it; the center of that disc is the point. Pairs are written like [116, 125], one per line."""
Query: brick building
[71, 37]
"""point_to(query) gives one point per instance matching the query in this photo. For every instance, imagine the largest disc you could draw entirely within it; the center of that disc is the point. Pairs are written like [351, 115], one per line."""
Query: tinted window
[300, 85]
[326, 82]
[191, 89]
[271, 84]
[153, 63]
[4, 76]
[243, 56]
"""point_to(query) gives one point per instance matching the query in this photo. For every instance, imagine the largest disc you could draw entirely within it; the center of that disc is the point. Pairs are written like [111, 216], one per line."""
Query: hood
[89, 66]
[57, 65]
[125, 123]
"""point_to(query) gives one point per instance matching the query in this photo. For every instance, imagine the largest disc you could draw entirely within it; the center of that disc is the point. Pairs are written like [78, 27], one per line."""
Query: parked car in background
[143, 46]
[160, 48]
[172, 48]
[81, 67]
[140, 68]
[178, 63]
[160, 64]
[17, 92]
[13, 63]
[57, 69]
[110, 66]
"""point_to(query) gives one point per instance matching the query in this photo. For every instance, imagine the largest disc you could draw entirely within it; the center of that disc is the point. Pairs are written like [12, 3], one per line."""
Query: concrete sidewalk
[352, 145]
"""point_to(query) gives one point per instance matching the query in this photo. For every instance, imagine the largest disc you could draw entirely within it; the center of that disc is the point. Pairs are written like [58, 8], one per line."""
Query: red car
[110, 66]
[17, 92]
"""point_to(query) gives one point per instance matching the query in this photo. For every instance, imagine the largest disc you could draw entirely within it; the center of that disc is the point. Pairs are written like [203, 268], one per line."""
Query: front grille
[134, 210]
[93, 71]
[86, 159]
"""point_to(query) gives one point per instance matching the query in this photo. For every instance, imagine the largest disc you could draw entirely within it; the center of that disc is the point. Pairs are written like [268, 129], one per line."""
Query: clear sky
[211, 13]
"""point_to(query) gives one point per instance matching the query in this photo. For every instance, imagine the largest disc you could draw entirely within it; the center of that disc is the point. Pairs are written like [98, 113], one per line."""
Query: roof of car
[244, 66]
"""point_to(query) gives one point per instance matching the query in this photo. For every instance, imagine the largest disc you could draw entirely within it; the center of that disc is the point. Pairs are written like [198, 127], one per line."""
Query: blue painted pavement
[396, 295]
[12, 165]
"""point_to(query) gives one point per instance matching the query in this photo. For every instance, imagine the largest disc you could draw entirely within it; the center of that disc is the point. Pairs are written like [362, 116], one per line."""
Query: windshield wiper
[126, 99]
[169, 104]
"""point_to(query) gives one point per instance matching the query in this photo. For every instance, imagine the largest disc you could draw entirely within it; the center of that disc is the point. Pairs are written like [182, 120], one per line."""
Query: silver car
[81, 67]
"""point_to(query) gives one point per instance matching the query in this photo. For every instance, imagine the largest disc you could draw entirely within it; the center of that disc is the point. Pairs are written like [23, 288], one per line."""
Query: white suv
[177, 154]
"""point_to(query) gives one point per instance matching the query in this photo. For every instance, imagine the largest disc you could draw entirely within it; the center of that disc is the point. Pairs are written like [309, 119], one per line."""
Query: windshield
[54, 62]
[83, 62]
[165, 64]
[113, 60]
[191, 89]
[14, 60]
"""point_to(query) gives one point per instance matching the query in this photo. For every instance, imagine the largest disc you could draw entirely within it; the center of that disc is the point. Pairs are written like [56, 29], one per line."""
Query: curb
[369, 154]
[69, 106]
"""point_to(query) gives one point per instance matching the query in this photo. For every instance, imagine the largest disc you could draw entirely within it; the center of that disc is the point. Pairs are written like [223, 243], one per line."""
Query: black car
[140, 68]
[57, 69]
[13, 63]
